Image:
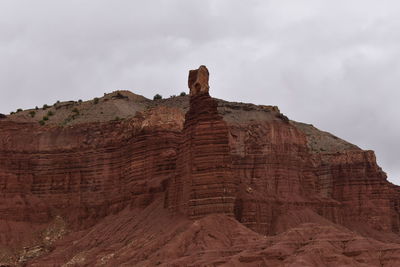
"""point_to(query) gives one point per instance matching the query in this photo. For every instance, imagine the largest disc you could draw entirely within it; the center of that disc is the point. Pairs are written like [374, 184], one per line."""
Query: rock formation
[189, 180]
[203, 183]
[198, 81]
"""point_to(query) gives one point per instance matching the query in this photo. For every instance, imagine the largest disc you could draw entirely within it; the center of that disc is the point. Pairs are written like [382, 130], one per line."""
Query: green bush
[45, 118]
[32, 113]
[36, 108]
[19, 110]
[183, 94]
[80, 101]
[157, 97]
[42, 122]
[96, 100]
[45, 106]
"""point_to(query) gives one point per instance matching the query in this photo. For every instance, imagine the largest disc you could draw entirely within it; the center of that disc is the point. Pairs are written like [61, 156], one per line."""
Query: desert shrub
[45, 118]
[36, 108]
[32, 113]
[42, 122]
[75, 110]
[45, 106]
[12, 112]
[19, 110]
[157, 97]
[80, 101]
[183, 94]
[96, 100]
[50, 113]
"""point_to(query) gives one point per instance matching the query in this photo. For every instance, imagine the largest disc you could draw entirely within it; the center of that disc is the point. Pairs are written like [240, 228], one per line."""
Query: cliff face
[278, 174]
[89, 192]
[82, 174]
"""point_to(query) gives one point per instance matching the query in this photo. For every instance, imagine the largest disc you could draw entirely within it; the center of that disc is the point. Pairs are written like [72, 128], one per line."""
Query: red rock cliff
[190, 163]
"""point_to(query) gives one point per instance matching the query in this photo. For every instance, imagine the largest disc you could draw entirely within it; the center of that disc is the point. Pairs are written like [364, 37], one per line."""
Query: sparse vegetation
[183, 94]
[19, 110]
[45, 118]
[12, 113]
[58, 102]
[50, 113]
[80, 101]
[36, 108]
[96, 100]
[117, 118]
[45, 106]
[67, 120]
[32, 113]
[42, 122]
[171, 96]
[75, 114]
[157, 97]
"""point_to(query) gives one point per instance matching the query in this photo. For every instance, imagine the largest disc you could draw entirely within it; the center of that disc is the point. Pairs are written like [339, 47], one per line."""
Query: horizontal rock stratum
[191, 180]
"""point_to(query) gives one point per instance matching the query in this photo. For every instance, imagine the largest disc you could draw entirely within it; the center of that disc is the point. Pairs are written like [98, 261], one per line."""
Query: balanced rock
[198, 80]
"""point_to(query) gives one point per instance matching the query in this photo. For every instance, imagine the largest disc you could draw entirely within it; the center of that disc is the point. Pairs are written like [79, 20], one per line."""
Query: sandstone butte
[188, 181]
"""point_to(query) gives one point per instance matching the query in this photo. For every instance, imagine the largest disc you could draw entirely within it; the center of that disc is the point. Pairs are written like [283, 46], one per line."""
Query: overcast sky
[334, 64]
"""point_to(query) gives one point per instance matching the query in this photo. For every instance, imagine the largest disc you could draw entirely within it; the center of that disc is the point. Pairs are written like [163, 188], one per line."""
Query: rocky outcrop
[203, 183]
[139, 188]
[198, 81]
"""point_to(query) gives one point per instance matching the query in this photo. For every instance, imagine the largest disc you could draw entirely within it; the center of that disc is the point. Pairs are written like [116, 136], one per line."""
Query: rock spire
[198, 81]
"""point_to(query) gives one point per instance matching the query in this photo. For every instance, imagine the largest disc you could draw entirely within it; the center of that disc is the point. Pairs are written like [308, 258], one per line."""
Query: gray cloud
[334, 64]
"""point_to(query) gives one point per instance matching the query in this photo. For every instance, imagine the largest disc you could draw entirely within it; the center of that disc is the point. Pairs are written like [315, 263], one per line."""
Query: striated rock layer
[190, 180]
[204, 182]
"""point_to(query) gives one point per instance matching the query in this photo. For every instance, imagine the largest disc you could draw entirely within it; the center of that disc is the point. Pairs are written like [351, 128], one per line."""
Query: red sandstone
[198, 183]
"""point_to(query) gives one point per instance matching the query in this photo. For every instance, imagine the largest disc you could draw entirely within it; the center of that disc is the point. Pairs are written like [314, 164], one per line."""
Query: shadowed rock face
[189, 180]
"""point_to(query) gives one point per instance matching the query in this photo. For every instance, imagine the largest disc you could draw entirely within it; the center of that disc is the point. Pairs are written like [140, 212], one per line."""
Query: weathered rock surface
[198, 81]
[188, 181]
